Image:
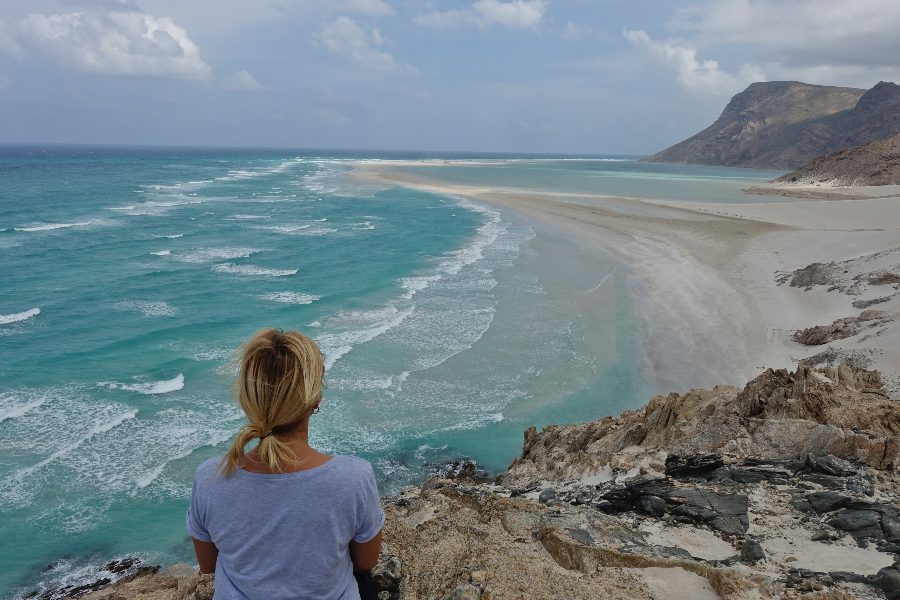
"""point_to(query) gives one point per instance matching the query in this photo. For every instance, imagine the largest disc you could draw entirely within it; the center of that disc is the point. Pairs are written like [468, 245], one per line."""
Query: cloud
[241, 81]
[514, 14]
[373, 8]
[124, 43]
[573, 32]
[803, 32]
[345, 37]
[820, 41]
[695, 75]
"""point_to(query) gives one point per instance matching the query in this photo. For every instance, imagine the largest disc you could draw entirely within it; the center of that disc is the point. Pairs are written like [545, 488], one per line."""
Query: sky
[535, 76]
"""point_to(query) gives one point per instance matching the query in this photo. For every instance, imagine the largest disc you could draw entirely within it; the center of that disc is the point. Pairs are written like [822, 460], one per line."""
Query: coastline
[707, 274]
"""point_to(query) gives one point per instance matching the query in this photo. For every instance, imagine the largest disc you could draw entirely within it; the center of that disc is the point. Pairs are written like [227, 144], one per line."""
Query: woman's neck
[305, 456]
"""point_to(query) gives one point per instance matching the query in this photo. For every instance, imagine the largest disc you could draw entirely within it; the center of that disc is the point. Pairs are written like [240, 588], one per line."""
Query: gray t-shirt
[286, 535]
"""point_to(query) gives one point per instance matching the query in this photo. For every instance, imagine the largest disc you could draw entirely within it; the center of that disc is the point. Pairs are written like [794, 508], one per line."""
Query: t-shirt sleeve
[196, 515]
[369, 514]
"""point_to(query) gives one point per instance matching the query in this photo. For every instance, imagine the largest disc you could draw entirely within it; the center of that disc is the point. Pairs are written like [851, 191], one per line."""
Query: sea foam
[290, 298]
[148, 309]
[17, 317]
[204, 255]
[148, 387]
[252, 270]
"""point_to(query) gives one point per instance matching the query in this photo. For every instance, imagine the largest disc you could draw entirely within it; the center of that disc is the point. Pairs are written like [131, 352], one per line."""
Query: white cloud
[823, 41]
[574, 32]
[695, 75]
[345, 37]
[241, 81]
[374, 8]
[846, 31]
[514, 14]
[126, 43]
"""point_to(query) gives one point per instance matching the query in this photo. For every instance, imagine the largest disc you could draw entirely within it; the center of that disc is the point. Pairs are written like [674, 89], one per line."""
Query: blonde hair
[280, 380]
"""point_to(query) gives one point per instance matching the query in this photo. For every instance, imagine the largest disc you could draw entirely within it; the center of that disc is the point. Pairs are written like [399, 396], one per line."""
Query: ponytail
[280, 379]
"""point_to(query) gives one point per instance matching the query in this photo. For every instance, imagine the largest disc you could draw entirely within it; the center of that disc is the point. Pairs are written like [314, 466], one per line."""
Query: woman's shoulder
[208, 468]
[352, 466]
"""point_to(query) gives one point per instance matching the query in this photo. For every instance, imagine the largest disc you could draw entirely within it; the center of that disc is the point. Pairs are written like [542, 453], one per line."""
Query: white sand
[665, 584]
[704, 274]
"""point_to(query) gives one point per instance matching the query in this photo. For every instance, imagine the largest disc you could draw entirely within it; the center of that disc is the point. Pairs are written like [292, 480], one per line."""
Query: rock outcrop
[786, 124]
[788, 488]
[875, 163]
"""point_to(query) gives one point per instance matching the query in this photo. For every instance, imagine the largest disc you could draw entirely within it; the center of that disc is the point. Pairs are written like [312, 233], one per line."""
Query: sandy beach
[713, 281]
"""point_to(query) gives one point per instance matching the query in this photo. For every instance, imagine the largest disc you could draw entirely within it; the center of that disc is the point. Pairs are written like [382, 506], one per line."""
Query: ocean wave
[252, 270]
[204, 255]
[18, 317]
[248, 217]
[173, 236]
[359, 327]
[148, 309]
[241, 174]
[147, 387]
[290, 297]
[16, 404]
[38, 227]
[162, 253]
[298, 229]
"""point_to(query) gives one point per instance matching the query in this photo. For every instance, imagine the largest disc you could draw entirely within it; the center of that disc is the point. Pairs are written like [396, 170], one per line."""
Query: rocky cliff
[785, 124]
[875, 163]
[788, 488]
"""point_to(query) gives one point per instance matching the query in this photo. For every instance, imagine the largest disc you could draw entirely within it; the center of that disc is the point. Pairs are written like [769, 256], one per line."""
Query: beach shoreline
[712, 280]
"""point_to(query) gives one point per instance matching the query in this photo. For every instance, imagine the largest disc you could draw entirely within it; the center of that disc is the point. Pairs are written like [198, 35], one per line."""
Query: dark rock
[823, 502]
[547, 495]
[388, 576]
[652, 505]
[860, 485]
[888, 581]
[832, 465]
[861, 524]
[725, 512]
[690, 467]
[890, 526]
[752, 551]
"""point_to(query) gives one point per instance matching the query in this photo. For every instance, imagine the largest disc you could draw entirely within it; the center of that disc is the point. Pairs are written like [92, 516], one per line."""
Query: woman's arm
[364, 555]
[207, 553]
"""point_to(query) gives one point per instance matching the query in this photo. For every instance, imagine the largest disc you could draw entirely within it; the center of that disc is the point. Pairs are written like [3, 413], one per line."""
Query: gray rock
[832, 465]
[752, 551]
[890, 525]
[828, 501]
[853, 519]
[698, 466]
[582, 535]
[652, 505]
[888, 581]
[547, 495]
[466, 591]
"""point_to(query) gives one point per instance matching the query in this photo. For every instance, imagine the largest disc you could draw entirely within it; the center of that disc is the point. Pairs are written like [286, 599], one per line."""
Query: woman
[283, 520]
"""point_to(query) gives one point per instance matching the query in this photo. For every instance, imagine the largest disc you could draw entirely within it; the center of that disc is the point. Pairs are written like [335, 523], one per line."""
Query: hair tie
[265, 435]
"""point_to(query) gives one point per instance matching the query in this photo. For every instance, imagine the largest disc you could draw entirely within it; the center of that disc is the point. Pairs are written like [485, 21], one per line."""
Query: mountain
[785, 124]
[875, 163]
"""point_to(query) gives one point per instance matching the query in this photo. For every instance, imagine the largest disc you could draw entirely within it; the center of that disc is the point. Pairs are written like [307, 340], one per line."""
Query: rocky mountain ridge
[788, 488]
[875, 163]
[786, 124]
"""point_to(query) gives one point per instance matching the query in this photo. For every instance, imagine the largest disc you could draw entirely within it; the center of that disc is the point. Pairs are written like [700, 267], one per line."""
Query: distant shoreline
[708, 273]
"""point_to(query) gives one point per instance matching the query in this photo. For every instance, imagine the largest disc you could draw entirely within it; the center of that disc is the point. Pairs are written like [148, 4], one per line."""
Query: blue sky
[571, 76]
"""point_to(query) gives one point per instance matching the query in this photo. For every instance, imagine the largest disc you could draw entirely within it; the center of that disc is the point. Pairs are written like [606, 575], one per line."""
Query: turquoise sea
[130, 275]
